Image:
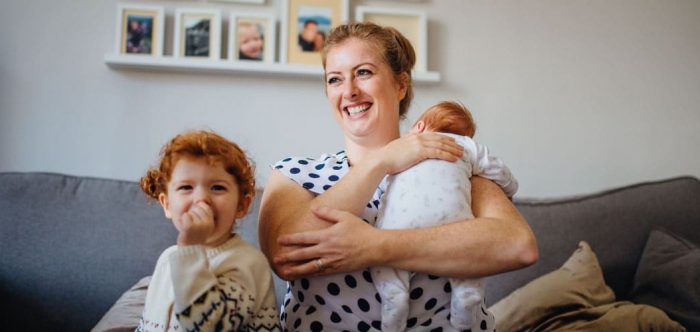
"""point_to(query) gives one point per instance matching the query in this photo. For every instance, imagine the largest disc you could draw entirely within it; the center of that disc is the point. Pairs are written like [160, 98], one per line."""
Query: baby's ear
[418, 128]
[243, 205]
[163, 200]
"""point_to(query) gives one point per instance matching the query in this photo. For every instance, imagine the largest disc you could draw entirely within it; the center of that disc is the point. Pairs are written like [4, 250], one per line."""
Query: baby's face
[251, 41]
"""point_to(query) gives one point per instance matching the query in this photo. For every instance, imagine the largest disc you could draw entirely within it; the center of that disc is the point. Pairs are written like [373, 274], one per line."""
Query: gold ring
[319, 264]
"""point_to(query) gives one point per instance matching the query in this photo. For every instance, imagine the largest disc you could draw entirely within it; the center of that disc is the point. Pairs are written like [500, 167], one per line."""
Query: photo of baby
[251, 40]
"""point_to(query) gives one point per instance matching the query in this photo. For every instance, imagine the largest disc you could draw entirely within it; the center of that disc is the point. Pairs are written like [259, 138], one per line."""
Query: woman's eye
[364, 72]
[333, 80]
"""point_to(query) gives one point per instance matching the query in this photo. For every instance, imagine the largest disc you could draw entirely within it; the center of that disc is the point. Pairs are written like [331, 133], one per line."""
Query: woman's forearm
[286, 206]
[498, 240]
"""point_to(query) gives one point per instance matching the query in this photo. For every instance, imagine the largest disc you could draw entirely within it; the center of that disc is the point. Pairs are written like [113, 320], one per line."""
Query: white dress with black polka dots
[349, 301]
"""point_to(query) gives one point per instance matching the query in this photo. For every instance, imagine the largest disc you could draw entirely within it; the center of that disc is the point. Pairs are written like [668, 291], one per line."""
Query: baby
[437, 192]
[212, 280]
[250, 39]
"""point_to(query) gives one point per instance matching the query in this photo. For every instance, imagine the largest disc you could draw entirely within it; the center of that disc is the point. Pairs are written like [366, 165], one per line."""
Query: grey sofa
[72, 245]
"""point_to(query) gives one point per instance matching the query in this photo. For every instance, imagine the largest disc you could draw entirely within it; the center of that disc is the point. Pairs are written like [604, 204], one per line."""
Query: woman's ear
[163, 200]
[404, 80]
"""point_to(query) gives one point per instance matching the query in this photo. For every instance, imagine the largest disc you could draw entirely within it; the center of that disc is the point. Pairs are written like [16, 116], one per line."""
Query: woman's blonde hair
[395, 49]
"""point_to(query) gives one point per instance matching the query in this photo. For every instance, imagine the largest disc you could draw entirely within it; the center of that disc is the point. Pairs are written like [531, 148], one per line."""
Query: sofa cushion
[71, 245]
[575, 297]
[125, 314]
[615, 222]
[668, 277]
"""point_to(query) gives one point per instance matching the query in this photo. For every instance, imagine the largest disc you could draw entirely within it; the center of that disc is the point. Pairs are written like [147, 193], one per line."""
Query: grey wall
[576, 95]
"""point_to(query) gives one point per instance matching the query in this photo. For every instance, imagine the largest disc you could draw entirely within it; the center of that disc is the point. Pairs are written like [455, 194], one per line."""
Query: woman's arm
[497, 240]
[286, 207]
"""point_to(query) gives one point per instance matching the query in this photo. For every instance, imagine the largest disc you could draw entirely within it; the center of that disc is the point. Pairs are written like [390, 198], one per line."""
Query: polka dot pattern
[350, 302]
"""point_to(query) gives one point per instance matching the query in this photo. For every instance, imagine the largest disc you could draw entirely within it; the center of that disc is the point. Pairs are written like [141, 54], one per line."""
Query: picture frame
[197, 33]
[255, 2]
[140, 30]
[413, 24]
[245, 32]
[305, 23]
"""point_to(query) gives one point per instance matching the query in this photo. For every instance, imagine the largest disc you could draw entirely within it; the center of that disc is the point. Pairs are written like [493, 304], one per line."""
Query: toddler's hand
[196, 225]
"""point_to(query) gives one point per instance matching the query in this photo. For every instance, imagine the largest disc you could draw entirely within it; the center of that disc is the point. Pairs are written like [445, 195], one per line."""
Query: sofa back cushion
[616, 223]
[71, 245]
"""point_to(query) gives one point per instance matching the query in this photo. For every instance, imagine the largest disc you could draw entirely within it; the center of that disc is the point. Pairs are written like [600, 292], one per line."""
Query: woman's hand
[404, 152]
[196, 225]
[342, 247]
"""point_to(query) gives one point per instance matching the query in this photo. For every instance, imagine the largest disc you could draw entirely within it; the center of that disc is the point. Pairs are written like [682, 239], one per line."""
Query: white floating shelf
[168, 63]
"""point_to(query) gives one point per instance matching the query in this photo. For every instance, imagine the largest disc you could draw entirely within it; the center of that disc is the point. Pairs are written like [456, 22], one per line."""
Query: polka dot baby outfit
[349, 301]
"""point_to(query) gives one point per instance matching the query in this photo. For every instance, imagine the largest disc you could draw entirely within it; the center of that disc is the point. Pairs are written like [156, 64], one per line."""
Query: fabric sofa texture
[71, 246]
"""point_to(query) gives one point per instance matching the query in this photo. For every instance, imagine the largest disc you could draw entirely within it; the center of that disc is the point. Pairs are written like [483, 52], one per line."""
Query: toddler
[436, 192]
[212, 280]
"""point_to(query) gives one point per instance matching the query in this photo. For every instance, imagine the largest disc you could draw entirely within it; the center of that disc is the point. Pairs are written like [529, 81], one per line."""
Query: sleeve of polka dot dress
[491, 167]
[207, 302]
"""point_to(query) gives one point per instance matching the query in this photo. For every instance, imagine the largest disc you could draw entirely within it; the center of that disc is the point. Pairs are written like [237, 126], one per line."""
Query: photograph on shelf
[412, 24]
[256, 2]
[140, 30]
[251, 37]
[305, 25]
[197, 33]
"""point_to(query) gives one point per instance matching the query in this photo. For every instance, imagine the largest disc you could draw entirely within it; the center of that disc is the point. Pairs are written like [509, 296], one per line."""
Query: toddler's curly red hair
[201, 144]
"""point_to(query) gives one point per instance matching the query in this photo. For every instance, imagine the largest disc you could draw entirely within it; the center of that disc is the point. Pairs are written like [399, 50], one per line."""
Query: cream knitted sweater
[196, 288]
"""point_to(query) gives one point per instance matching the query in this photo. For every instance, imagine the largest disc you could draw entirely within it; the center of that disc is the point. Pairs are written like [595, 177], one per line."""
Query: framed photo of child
[412, 24]
[139, 30]
[197, 33]
[251, 37]
[305, 25]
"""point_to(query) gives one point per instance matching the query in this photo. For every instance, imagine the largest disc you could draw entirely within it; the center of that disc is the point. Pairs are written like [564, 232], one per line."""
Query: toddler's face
[193, 180]
[251, 41]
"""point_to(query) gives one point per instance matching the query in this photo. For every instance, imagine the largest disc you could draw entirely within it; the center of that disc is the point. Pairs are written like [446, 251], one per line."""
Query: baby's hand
[196, 225]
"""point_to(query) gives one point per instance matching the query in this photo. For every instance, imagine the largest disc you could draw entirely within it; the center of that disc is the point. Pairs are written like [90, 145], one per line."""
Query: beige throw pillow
[576, 298]
[576, 285]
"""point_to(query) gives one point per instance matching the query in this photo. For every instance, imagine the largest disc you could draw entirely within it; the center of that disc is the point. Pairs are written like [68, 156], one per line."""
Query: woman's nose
[351, 90]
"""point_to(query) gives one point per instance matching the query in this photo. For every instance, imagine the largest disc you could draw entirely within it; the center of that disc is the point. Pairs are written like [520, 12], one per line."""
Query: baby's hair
[258, 27]
[450, 117]
[200, 144]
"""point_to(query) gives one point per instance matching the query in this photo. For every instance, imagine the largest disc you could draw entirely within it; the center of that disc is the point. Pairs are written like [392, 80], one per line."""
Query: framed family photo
[197, 33]
[139, 30]
[251, 37]
[305, 25]
[412, 24]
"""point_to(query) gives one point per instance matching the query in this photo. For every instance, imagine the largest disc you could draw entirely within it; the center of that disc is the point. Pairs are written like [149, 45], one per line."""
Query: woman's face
[363, 93]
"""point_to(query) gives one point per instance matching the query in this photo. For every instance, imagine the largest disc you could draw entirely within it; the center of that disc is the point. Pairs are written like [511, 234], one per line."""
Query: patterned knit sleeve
[206, 302]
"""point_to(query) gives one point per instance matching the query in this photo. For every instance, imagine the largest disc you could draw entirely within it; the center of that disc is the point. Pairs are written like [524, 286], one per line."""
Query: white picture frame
[413, 24]
[139, 30]
[295, 13]
[255, 2]
[197, 33]
[262, 24]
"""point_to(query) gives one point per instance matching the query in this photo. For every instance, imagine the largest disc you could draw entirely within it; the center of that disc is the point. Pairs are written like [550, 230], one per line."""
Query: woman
[310, 229]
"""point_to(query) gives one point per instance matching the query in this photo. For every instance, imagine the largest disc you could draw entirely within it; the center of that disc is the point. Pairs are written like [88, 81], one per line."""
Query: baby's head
[250, 38]
[206, 147]
[447, 117]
